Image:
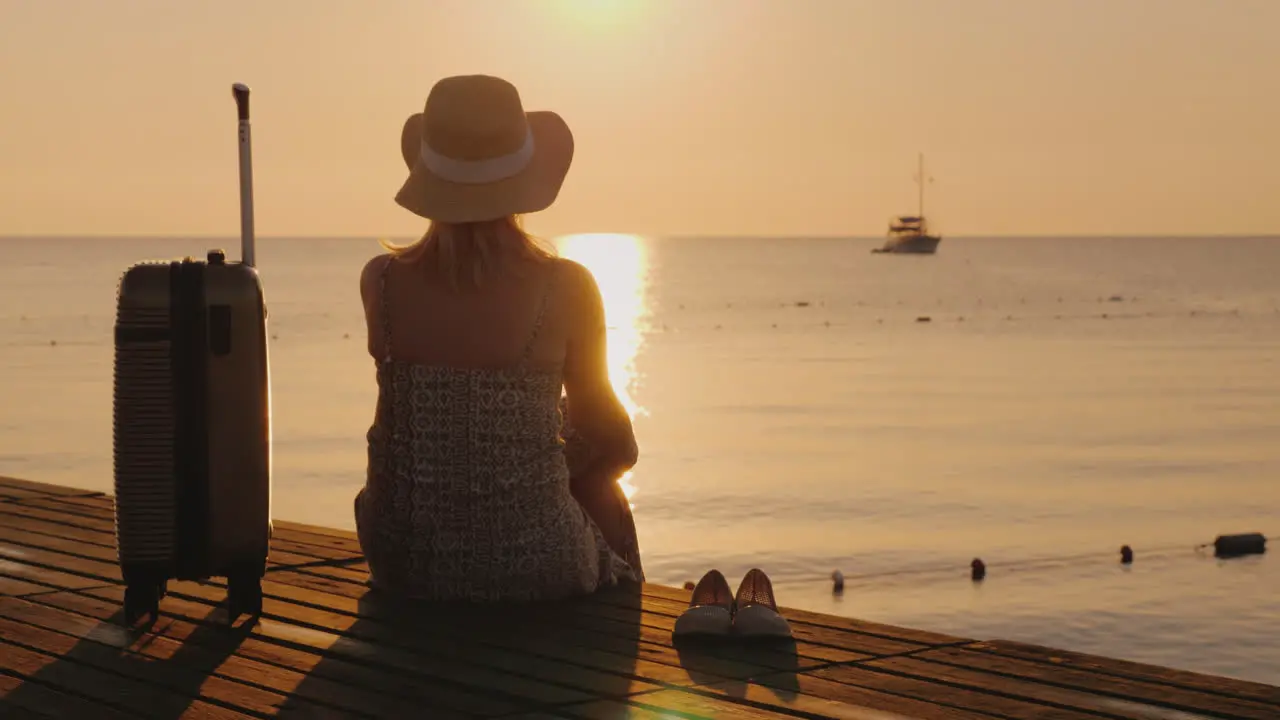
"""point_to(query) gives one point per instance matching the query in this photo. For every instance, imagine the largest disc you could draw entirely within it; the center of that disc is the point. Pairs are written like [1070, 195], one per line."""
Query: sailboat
[910, 233]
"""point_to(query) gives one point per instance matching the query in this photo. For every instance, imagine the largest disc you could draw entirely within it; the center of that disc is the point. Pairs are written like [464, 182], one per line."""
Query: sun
[601, 11]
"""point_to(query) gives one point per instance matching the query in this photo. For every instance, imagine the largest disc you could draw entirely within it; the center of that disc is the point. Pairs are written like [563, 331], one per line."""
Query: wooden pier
[324, 648]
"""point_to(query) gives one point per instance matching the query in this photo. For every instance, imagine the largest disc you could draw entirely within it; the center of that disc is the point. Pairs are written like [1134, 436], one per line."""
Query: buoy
[978, 569]
[1126, 554]
[1226, 546]
[924, 318]
[837, 582]
[802, 303]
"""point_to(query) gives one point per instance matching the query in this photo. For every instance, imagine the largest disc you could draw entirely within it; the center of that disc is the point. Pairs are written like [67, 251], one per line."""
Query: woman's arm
[371, 298]
[596, 413]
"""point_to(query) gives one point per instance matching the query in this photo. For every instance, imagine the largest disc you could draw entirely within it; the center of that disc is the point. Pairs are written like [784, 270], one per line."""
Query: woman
[476, 331]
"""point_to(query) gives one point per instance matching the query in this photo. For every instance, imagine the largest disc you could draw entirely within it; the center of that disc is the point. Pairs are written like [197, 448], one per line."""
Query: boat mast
[920, 179]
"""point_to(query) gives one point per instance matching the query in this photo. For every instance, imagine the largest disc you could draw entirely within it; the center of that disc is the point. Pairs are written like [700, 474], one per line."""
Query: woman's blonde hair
[470, 253]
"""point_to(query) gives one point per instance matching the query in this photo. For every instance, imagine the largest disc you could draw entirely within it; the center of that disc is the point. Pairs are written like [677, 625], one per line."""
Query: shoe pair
[714, 611]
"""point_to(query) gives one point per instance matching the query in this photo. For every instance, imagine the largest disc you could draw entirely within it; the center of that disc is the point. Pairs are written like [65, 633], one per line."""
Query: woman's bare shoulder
[575, 280]
[371, 273]
[579, 295]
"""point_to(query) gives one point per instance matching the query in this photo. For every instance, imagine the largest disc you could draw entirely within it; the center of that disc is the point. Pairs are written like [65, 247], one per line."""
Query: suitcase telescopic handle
[247, 255]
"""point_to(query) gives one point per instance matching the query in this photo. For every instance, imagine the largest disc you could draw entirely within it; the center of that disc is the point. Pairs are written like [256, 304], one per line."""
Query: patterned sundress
[468, 490]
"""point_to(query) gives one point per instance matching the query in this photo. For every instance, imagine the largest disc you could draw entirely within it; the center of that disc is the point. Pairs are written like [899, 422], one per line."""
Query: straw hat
[474, 154]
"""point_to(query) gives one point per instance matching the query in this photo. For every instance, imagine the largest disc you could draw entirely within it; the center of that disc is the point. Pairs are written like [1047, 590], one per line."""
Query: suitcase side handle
[247, 255]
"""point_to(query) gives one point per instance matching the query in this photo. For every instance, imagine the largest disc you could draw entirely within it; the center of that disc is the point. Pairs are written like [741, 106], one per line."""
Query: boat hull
[910, 245]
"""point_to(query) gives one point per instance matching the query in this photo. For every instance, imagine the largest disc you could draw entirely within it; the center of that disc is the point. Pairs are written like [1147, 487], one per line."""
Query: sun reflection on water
[619, 264]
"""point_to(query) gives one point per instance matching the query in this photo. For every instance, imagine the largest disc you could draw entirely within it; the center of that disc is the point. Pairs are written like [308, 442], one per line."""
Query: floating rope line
[1225, 546]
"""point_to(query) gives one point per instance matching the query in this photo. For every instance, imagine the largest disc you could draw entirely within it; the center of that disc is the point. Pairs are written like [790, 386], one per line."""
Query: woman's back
[468, 492]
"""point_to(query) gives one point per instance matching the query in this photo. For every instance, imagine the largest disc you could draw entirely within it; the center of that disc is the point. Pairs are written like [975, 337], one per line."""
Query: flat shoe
[710, 609]
[757, 612]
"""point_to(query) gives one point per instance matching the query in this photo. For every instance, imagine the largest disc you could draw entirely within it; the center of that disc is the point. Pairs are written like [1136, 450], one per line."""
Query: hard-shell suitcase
[192, 420]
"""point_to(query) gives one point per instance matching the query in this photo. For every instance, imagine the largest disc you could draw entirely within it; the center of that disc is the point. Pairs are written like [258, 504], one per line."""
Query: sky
[691, 117]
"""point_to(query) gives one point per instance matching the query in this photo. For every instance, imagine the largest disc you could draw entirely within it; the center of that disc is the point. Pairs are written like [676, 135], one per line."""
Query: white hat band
[474, 172]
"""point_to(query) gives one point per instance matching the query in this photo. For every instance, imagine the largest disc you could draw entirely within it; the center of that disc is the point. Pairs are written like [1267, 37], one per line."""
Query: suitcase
[192, 421]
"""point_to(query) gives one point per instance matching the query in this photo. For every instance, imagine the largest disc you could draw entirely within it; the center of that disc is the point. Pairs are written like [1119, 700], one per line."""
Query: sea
[805, 406]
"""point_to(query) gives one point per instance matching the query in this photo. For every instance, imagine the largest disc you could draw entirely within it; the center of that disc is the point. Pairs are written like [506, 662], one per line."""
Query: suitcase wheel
[142, 599]
[244, 597]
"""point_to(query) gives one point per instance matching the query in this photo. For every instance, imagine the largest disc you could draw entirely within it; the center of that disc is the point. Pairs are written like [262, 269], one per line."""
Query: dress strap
[385, 310]
[537, 320]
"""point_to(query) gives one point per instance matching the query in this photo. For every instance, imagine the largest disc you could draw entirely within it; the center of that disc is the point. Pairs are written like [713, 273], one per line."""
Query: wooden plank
[14, 587]
[217, 671]
[8, 484]
[525, 627]
[65, 514]
[593, 613]
[810, 696]
[12, 494]
[942, 693]
[1138, 691]
[1032, 691]
[13, 712]
[687, 669]
[1228, 687]
[88, 568]
[402, 649]
[19, 540]
[41, 575]
[314, 554]
[279, 559]
[19, 695]
[15, 519]
[814, 646]
[422, 691]
[319, 530]
[36, 654]
[18, 517]
[87, 502]
[667, 704]
[159, 670]
[102, 507]
[525, 644]
[574, 615]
